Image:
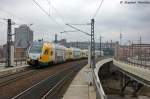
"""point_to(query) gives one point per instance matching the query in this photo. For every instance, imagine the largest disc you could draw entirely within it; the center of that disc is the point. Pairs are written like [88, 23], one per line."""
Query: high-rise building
[23, 36]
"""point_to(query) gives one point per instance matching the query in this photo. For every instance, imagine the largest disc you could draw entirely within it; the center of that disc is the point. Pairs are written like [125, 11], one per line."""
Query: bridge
[130, 75]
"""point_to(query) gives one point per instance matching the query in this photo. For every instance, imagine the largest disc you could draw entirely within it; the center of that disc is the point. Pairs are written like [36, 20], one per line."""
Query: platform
[79, 87]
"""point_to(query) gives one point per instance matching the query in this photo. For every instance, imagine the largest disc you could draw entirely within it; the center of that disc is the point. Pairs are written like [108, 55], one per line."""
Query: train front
[34, 53]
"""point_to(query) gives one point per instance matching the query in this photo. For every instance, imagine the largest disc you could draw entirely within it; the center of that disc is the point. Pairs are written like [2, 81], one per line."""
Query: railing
[136, 62]
[100, 94]
[17, 62]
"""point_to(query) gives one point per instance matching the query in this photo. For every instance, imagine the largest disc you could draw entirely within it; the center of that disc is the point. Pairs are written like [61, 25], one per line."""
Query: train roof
[57, 46]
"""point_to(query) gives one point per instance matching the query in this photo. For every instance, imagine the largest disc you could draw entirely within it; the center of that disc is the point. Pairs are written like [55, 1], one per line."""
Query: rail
[46, 90]
[99, 89]
[7, 79]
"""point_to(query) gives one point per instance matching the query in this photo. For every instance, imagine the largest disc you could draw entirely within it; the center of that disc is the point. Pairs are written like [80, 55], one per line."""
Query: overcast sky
[132, 19]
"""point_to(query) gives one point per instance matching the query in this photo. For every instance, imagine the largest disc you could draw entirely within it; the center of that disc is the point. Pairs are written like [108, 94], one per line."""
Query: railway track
[48, 87]
[6, 79]
[60, 75]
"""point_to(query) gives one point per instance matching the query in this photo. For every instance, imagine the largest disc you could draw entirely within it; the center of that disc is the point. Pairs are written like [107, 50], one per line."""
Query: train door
[51, 52]
[45, 56]
[47, 53]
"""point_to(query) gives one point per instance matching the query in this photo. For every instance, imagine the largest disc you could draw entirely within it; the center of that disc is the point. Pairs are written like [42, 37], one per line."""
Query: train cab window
[51, 52]
[46, 52]
[70, 53]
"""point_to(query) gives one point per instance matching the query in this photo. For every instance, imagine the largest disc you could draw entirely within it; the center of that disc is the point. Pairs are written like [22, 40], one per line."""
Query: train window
[35, 49]
[46, 52]
[51, 52]
[70, 53]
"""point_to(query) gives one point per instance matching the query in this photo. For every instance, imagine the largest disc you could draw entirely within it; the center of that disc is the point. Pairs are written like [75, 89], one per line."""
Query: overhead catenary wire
[12, 14]
[82, 24]
[61, 17]
[13, 23]
[2, 18]
[68, 31]
[100, 5]
[49, 16]
[79, 30]
[49, 3]
[2, 23]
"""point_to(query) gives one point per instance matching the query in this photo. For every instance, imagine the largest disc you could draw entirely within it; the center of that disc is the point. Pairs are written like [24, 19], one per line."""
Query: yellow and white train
[45, 53]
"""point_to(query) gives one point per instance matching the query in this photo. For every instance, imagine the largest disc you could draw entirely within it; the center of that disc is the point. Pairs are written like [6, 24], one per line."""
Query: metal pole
[100, 45]
[132, 50]
[92, 45]
[55, 38]
[9, 40]
[123, 58]
[120, 38]
[140, 51]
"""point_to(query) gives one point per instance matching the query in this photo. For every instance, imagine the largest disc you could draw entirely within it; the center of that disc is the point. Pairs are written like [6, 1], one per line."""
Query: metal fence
[17, 62]
[19, 59]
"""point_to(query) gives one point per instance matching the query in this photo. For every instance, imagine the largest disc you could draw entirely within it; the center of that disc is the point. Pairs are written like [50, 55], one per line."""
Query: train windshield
[35, 49]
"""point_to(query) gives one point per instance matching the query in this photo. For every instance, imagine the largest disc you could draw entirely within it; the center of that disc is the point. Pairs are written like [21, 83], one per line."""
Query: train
[43, 53]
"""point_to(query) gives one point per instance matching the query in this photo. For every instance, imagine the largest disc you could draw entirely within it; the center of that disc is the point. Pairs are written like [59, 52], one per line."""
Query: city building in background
[23, 36]
[23, 39]
[134, 51]
[5, 46]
